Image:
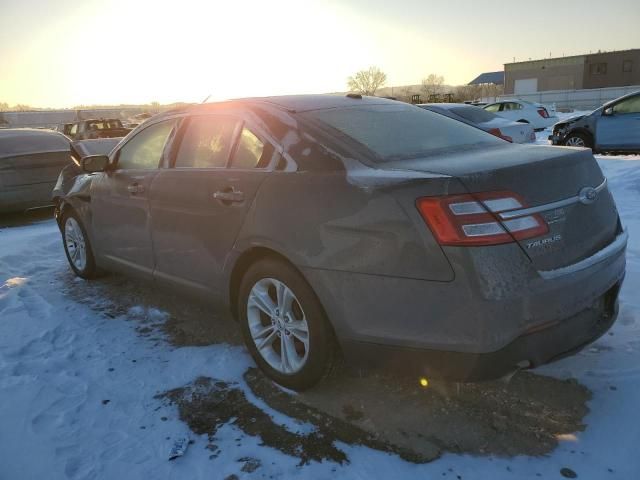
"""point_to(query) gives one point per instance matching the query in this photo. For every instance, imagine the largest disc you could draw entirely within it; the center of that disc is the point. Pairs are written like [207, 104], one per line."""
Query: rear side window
[473, 114]
[251, 151]
[395, 132]
[145, 149]
[512, 106]
[206, 142]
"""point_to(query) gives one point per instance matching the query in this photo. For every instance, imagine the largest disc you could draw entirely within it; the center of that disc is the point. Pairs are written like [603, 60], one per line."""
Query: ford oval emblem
[588, 195]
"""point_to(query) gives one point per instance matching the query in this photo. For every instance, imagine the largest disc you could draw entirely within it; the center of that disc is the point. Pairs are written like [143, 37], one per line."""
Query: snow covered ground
[77, 387]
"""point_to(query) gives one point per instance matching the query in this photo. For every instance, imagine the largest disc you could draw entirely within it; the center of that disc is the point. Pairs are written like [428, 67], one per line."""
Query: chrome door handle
[229, 195]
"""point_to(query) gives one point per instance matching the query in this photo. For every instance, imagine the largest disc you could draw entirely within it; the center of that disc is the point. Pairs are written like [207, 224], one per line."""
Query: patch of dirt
[207, 404]
[184, 321]
[521, 417]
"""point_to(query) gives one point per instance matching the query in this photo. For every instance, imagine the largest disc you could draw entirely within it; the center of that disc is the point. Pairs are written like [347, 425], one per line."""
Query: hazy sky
[60, 53]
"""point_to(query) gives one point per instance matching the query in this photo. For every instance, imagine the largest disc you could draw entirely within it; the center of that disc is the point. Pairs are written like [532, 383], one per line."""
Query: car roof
[303, 103]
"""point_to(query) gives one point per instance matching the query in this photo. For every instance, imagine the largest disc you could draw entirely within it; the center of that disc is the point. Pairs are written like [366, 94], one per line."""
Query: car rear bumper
[533, 349]
[497, 312]
[24, 197]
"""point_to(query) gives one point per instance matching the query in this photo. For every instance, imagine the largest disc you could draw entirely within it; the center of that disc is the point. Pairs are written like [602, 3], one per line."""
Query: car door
[198, 205]
[119, 204]
[618, 128]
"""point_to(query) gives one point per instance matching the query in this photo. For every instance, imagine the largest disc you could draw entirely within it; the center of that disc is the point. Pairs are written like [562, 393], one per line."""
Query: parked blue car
[614, 127]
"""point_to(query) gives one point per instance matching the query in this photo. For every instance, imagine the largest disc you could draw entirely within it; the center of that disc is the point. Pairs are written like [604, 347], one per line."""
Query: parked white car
[538, 115]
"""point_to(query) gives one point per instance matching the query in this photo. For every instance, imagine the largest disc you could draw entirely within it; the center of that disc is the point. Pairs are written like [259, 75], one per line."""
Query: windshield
[396, 132]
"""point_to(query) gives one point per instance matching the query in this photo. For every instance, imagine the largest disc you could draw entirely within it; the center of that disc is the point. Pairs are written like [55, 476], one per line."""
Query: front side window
[630, 105]
[206, 142]
[251, 151]
[395, 132]
[74, 129]
[492, 108]
[144, 151]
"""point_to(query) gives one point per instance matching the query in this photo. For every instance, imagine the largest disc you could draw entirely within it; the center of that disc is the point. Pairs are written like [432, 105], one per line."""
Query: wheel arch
[250, 257]
[243, 263]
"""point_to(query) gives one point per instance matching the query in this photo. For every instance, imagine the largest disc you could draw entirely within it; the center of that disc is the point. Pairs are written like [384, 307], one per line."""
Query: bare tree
[432, 85]
[4, 106]
[366, 82]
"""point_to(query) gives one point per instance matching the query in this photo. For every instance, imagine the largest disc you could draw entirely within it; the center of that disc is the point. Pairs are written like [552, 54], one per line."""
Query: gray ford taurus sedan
[361, 227]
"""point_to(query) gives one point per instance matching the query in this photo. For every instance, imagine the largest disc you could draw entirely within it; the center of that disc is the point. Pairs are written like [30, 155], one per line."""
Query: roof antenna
[206, 98]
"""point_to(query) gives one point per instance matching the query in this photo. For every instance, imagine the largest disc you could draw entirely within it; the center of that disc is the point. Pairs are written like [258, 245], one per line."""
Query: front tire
[77, 246]
[284, 325]
[578, 140]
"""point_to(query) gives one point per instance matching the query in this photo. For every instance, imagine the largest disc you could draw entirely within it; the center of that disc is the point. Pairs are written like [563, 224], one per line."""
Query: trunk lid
[519, 132]
[540, 176]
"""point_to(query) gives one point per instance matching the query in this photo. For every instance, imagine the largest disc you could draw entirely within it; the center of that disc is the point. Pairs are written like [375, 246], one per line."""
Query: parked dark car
[614, 127]
[508, 130]
[97, 128]
[396, 236]
[30, 161]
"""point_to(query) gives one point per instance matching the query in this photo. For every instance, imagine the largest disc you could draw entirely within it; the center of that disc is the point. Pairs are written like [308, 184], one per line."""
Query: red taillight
[543, 112]
[498, 133]
[471, 219]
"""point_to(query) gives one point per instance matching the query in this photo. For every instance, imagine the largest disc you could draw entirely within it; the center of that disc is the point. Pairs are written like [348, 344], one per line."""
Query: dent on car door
[199, 204]
[619, 126]
[119, 204]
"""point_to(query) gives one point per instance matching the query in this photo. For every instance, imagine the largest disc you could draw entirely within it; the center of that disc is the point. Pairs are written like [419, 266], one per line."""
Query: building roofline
[574, 56]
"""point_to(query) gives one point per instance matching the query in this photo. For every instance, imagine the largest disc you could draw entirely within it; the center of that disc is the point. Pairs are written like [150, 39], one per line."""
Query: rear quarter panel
[324, 220]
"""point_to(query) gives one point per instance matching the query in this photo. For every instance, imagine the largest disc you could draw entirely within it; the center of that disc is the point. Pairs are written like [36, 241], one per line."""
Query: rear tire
[578, 140]
[279, 311]
[77, 246]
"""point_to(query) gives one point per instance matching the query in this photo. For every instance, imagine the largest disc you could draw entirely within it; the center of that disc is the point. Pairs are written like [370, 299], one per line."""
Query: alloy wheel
[575, 142]
[278, 325]
[75, 242]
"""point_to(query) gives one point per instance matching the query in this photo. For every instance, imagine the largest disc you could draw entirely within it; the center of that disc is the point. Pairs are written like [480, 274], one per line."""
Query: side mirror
[95, 163]
[608, 111]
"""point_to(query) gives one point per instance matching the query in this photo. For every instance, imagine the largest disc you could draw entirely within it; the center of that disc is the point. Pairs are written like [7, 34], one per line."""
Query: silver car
[516, 132]
[30, 161]
[357, 226]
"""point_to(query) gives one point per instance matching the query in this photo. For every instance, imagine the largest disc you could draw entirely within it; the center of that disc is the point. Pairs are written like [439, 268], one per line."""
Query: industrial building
[596, 70]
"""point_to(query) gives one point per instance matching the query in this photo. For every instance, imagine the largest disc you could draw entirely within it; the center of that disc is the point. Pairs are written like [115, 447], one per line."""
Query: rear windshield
[401, 131]
[473, 114]
[24, 142]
